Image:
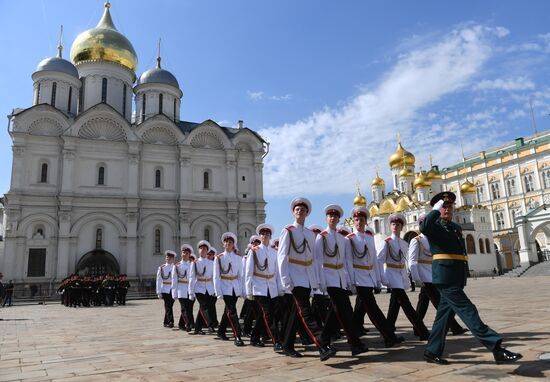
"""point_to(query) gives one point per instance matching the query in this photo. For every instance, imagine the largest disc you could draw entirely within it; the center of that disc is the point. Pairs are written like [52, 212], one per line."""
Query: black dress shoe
[198, 332]
[358, 349]
[292, 353]
[326, 352]
[239, 341]
[170, 326]
[461, 331]
[432, 358]
[222, 336]
[258, 344]
[278, 347]
[503, 356]
[210, 330]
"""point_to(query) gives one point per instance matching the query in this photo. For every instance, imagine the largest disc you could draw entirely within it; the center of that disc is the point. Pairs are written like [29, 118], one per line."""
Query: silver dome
[57, 64]
[158, 76]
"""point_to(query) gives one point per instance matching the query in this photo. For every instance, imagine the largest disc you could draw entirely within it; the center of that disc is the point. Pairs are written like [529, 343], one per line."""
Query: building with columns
[96, 188]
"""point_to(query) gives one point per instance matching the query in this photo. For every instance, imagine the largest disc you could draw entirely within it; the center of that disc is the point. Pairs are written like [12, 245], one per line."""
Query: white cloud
[510, 84]
[260, 95]
[328, 151]
[518, 113]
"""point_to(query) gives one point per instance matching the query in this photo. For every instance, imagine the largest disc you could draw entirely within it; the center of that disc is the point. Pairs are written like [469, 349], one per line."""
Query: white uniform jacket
[180, 279]
[201, 277]
[164, 278]
[330, 255]
[392, 255]
[228, 274]
[361, 253]
[420, 259]
[295, 257]
[261, 273]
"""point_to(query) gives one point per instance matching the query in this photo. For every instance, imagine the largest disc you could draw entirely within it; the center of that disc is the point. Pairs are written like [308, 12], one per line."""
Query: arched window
[124, 91]
[143, 105]
[101, 176]
[499, 218]
[480, 196]
[37, 94]
[376, 226]
[528, 181]
[158, 178]
[481, 246]
[39, 232]
[98, 238]
[206, 180]
[546, 178]
[511, 187]
[54, 91]
[470, 244]
[175, 106]
[81, 95]
[44, 173]
[104, 90]
[487, 246]
[495, 189]
[70, 99]
[157, 240]
[207, 233]
[160, 103]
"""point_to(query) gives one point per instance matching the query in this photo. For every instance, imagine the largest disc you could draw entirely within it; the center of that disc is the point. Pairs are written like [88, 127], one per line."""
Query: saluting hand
[438, 205]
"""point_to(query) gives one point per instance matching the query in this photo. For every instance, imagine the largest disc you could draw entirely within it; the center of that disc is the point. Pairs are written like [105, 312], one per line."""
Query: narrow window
[206, 180]
[376, 226]
[470, 244]
[81, 95]
[143, 105]
[481, 246]
[44, 173]
[37, 262]
[98, 238]
[487, 246]
[104, 90]
[207, 234]
[70, 99]
[54, 90]
[157, 240]
[244, 196]
[101, 176]
[160, 103]
[157, 178]
[124, 89]
[37, 96]
[244, 178]
[175, 105]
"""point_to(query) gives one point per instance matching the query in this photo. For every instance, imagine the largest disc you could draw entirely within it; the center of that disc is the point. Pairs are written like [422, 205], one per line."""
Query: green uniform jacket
[445, 238]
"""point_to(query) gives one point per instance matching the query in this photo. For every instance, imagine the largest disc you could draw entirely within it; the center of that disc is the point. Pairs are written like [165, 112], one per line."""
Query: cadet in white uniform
[420, 264]
[299, 274]
[180, 288]
[365, 276]
[228, 284]
[250, 309]
[392, 256]
[201, 286]
[334, 272]
[164, 287]
[320, 301]
[263, 285]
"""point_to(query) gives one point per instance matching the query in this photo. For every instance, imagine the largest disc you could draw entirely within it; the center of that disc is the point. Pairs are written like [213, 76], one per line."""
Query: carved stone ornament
[133, 158]
[18, 151]
[68, 154]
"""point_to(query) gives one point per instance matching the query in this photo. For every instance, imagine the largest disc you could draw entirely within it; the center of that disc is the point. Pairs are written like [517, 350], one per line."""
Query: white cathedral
[97, 188]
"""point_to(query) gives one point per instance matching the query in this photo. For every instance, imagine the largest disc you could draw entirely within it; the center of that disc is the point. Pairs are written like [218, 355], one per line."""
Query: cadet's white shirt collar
[394, 236]
[298, 225]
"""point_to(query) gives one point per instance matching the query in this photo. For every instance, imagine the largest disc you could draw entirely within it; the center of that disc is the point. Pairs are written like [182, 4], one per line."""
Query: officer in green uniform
[449, 272]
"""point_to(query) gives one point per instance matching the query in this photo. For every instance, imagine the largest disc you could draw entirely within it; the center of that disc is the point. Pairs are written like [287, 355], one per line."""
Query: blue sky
[328, 83]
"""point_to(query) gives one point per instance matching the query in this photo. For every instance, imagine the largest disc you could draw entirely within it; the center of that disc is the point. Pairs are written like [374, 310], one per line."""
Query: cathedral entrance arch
[97, 262]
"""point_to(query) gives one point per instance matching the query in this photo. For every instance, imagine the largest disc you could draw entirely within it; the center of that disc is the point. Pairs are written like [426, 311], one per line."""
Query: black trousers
[320, 306]
[400, 299]
[186, 321]
[266, 320]
[204, 316]
[230, 316]
[168, 311]
[301, 313]
[430, 293]
[368, 305]
[213, 311]
[340, 314]
[249, 314]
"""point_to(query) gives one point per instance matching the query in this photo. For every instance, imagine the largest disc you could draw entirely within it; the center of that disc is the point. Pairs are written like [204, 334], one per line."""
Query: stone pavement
[52, 342]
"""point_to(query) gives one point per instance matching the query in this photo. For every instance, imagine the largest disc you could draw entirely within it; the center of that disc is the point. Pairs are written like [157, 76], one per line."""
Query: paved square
[128, 343]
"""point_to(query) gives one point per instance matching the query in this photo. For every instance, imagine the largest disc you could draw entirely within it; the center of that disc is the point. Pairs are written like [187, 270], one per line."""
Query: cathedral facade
[106, 175]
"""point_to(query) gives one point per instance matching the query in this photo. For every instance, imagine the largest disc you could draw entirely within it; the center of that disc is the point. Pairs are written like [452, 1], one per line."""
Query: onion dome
[401, 157]
[434, 173]
[104, 43]
[57, 64]
[158, 76]
[467, 187]
[377, 181]
[422, 180]
[359, 200]
[402, 205]
[406, 172]
[373, 210]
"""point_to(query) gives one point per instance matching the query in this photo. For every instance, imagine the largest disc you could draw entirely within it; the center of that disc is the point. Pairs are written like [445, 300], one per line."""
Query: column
[63, 245]
[131, 244]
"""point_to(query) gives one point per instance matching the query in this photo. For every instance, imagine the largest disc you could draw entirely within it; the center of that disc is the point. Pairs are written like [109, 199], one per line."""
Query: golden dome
[373, 210]
[359, 200]
[402, 205]
[422, 180]
[401, 157]
[386, 207]
[104, 43]
[406, 172]
[378, 181]
[467, 187]
[434, 173]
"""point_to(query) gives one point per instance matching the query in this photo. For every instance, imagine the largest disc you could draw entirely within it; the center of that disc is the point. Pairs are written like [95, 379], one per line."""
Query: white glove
[159, 295]
[438, 205]
[249, 297]
[219, 297]
[192, 297]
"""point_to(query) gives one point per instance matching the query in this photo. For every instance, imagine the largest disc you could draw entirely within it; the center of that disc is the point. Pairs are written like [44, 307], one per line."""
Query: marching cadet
[449, 273]
[201, 287]
[122, 289]
[228, 285]
[320, 301]
[299, 274]
[212, 299]
[391, 256]
[420, 265]
[180, 288]
[365, 276]
[250, 309]
[164, 287]
[334, 272]
[262, 284]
